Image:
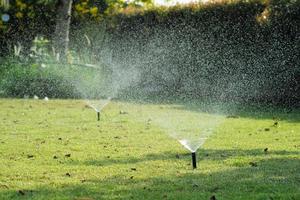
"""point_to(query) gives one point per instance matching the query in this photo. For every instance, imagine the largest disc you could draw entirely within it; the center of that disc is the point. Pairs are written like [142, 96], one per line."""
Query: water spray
[98, 107]
[192, 147]
[194, 161]
[190, 129]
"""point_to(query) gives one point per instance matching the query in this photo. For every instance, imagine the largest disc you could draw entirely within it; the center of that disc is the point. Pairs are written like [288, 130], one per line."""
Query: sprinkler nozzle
[194, 160]
[98, 115]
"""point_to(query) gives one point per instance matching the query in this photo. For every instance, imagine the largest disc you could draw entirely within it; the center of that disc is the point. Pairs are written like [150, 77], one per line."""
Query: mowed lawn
[57, 150]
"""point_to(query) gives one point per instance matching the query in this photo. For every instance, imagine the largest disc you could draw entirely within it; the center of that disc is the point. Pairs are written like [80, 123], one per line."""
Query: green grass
[126, 157]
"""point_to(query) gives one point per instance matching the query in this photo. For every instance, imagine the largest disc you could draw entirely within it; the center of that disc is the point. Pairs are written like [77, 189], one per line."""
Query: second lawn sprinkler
[98, 115]
[98, 106]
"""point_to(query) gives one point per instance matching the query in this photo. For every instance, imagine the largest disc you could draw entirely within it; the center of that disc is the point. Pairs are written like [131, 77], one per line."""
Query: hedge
[245, 51]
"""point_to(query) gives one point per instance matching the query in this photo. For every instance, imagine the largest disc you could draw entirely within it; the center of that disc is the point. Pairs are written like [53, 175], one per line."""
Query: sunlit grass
[57, 150]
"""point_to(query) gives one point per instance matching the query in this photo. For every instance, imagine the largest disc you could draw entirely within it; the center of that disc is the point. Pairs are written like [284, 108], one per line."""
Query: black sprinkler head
[194, 160]
[98, 115]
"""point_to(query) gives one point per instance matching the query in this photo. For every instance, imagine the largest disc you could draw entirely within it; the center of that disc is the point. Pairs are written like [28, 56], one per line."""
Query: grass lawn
[57, 150]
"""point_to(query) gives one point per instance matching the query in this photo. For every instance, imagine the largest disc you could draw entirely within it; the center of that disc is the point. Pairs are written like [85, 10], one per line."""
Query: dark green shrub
[29, 80]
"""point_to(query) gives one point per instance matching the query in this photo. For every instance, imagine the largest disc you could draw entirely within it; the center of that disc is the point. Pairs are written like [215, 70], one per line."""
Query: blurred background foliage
[31, 18]
[255, 43]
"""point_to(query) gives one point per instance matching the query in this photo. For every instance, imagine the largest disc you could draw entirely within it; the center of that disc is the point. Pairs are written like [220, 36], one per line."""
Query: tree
[61, 34]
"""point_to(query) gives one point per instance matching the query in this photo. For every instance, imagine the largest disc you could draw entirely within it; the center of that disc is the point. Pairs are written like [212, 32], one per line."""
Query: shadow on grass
[202, 154]
[276, 178]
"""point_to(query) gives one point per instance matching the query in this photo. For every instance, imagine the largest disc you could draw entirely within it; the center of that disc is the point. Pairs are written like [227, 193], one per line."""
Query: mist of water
[168, 63]
[191, 128]
[149, 68]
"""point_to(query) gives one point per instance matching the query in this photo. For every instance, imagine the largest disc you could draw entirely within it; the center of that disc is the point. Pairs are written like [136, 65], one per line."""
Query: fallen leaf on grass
[30, 156]
[68, 155]
[253, 164]
[23, 192]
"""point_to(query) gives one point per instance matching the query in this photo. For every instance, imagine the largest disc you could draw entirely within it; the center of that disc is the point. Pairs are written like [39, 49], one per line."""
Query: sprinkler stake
[98, 115]
[194, 160]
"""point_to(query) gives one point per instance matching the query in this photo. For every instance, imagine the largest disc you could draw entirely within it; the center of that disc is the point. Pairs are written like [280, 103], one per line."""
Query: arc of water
[105, 103]
[101, 105]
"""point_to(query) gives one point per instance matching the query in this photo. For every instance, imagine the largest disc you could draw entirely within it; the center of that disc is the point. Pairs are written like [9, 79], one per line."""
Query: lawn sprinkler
[99, 106]
[98, 115]
[194, 162]
[192, 148]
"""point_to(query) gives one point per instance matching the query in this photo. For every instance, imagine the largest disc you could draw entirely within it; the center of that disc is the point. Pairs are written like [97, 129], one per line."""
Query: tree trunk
[61, 34]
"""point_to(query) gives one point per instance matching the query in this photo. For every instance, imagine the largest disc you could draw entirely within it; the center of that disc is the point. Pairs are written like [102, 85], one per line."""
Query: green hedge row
[247, 51]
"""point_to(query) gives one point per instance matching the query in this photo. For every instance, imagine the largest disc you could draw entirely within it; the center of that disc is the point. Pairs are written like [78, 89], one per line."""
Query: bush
[28, 80]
